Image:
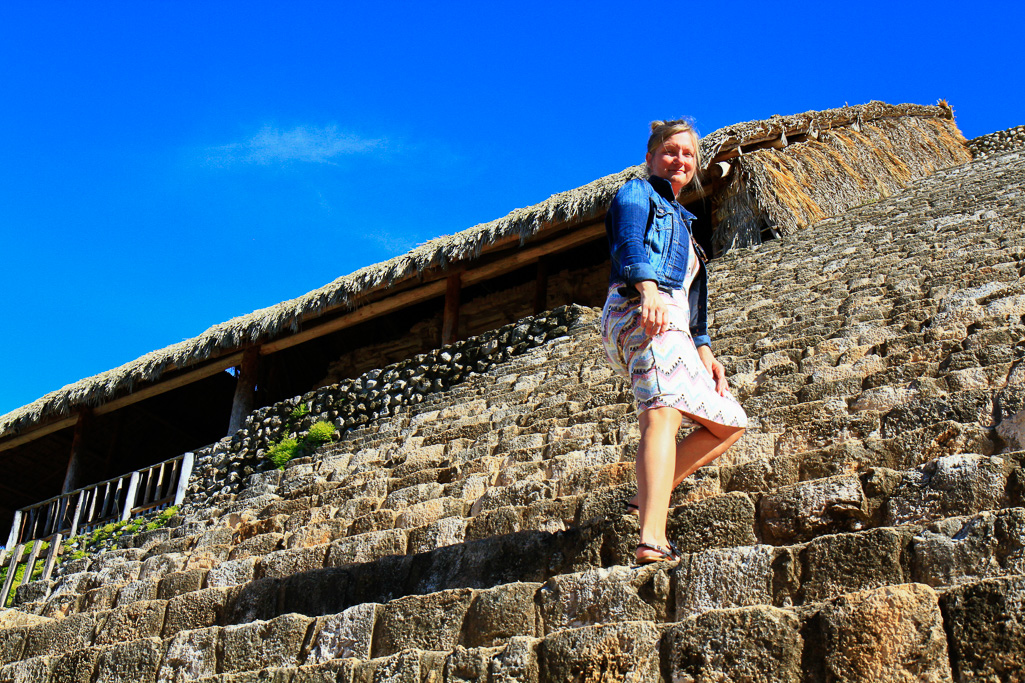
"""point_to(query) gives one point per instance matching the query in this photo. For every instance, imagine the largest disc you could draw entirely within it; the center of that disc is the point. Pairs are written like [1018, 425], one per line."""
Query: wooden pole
[12, 568]
[183, 478]
[30, 564]
[12, 538]
[450, 321]
[51, 557]
[133, 487]
[71, 475]
[245, 389]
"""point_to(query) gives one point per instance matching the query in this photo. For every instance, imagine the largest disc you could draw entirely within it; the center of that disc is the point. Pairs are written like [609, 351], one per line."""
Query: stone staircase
[870, 525]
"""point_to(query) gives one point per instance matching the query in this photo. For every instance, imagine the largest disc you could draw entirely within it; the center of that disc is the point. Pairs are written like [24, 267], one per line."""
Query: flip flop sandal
[675, 550]
[632, 509]
[663, 554]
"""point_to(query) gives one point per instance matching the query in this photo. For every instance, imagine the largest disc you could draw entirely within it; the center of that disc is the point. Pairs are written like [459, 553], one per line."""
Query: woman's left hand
[714, 368]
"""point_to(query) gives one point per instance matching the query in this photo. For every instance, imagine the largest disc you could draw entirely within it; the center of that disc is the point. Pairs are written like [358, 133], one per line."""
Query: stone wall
[222, 469]
[998, 142]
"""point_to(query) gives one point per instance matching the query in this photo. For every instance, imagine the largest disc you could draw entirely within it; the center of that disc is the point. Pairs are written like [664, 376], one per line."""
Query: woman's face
[675, 160]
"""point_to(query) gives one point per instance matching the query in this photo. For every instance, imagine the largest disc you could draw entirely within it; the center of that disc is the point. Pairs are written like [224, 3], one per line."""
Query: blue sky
[169, 165]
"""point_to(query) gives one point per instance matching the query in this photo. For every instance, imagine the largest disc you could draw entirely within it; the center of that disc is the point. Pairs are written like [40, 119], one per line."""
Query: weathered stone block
[28, 670]
[624, 651]
[191, 655]
[12, 644]
[178, 583]
[232, 573]
[99, 599]
[408, 666]
[199, 609]
[811, 508]
[518, 662]
[428, 622]
[255, 600]
[139, 620]
[844, 563]
[894, 633]
[257, 546]
[335, 671]
[60, 606]
[499, 613]
[262, 644]
[287, 562]
[429, 511]
[62, 635]
[960, 484]
[722, 521]
[955, 550]
[375, 520]
[469, 665]
[438, 534]
[756, 644]
[986, 629]
[318, 533]
[76, 666]
[136, 661]
[735, 577]
[344, 635]
[367, 547]
[604, 595]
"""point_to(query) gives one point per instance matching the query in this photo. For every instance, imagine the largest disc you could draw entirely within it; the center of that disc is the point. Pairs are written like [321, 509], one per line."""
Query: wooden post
[450, 321]
[71, 475]
[12, 568]
[51, 557]
[245, 389]
[12, 538]
[133, 487]
[183, 479]
[78, 513]
[30, 564]
[541, 286]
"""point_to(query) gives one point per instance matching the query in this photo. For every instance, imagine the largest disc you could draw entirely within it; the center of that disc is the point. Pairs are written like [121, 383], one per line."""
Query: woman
[655, 332]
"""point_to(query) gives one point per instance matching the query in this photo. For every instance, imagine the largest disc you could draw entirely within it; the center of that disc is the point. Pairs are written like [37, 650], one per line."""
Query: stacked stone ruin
[869, 526]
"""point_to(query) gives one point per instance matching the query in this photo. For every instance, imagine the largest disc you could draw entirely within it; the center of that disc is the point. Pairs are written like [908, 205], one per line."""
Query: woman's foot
[653, 552]
[631, 508]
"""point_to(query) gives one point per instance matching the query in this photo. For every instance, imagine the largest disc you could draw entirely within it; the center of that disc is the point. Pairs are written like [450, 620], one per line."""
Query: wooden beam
[245, 389]
[450, 318]
[71, 475]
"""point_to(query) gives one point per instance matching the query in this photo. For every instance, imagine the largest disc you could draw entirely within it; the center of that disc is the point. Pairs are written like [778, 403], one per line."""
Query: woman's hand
[714, 368]
[654, 312]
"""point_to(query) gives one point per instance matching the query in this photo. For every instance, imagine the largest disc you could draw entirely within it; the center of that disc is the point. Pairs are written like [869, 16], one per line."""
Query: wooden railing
[85, 509]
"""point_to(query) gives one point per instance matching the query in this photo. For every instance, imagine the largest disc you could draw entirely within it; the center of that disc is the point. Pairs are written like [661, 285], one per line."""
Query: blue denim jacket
[648, 232]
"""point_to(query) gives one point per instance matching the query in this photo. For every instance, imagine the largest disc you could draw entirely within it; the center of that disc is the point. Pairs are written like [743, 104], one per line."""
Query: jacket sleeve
[698, 299]
[628, 221]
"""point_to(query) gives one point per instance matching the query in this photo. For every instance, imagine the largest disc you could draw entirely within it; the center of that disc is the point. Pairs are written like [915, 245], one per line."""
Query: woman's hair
[663, 130]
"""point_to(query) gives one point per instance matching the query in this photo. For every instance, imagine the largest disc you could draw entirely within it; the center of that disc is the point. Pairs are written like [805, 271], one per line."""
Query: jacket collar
[665, 189]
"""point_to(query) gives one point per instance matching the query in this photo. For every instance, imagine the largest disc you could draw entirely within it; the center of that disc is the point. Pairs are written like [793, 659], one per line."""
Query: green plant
[282, 452]
[320, 433]
[299, 412]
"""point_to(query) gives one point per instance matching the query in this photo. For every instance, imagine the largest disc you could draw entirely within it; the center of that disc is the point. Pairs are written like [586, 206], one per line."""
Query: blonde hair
[663, 130]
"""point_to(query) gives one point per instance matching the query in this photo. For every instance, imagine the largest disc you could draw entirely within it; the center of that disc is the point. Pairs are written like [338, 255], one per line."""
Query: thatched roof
[579, 205]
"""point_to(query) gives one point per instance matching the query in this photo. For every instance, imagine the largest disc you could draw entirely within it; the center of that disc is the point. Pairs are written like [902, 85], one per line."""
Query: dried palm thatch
[787, 191]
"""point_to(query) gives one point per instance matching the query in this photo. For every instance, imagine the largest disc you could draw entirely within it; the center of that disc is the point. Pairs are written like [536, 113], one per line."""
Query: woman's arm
[714, 367]
[627, 221]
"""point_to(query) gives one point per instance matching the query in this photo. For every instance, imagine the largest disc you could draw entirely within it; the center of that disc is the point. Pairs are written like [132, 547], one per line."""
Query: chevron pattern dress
[665, 370]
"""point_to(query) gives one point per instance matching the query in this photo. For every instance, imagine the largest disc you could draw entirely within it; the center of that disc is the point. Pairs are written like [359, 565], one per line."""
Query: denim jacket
[648, 231]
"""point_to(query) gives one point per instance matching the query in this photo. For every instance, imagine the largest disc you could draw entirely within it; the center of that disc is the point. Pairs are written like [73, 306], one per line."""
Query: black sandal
[675, 549]
[664, 555]
[632, 509]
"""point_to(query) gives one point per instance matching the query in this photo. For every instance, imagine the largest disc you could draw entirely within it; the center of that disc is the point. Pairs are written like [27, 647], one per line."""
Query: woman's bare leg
[656, 465]
[702, 446]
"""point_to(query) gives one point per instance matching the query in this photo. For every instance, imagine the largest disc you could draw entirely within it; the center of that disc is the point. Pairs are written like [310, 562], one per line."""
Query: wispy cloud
[308, 144]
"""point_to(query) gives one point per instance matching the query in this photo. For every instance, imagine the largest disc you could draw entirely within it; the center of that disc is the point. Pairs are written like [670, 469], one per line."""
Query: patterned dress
[665, 370]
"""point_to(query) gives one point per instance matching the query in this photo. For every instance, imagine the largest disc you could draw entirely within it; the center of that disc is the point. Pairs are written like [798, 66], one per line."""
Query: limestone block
[552, 516]
[500, 613]
[335, 671]
[97, 599]
[191, 655]
[430, 622]
[375, 520]
[586, 479]
[28, 670]
[16, 618]
[179, 583]
[960, 484]
[344, 635]
[232, 573]
[437, 534]
[497, 522]
[76, 666]
[954, 551]
[893, 633]
[882, 399]
[408, 666]
[367, 547]
[811, 508]
[60, 636]
[198, 609]
[218, 535]
[843, 563]
[464, 665]
[411, 495]
[317, 533]
[519, 493]
[159, 565]
[12, 643]
[626, 651]
[262, 644]
[60, 606]
[292, 561]
[255, 600]
[79, 582]
[249, 528]
[518, 662]
[604, 595]
[143, 619]
[136, 661]
[734, 577]
[429, 511]
[723, 521]
[208, 556]
[135, 591]
[986, 629]
[1012, 430]
[257, 546]
[756, 644]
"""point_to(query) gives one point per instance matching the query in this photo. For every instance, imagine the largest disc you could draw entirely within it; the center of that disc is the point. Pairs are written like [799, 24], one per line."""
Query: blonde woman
[655, 332]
